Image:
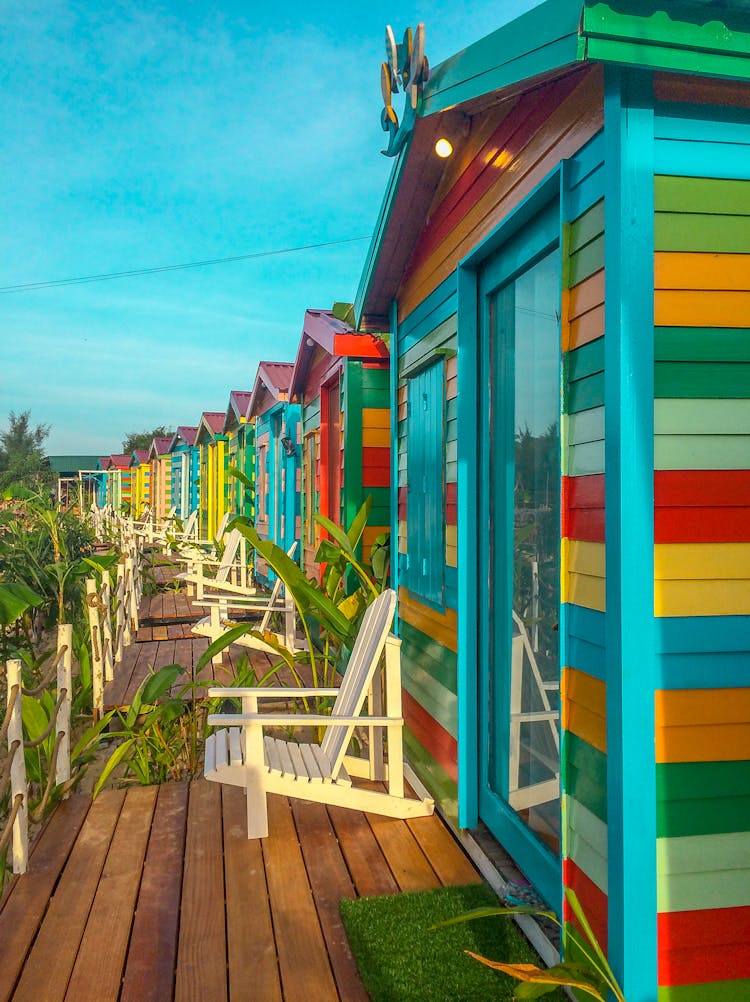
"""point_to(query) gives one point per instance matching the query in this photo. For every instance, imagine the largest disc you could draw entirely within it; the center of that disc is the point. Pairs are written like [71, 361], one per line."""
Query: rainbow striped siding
[429, 635]
[582, 557]
[702, 541]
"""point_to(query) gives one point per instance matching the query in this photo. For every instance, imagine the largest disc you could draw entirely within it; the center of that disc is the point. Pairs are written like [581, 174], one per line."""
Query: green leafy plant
[590, 974]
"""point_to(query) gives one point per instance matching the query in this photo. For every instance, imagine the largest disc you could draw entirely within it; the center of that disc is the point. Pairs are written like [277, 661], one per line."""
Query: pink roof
[239, 400]
[141, 455]
[275, 378]
[160, 446]
[214, 420]
[118, 459]
[187, 433]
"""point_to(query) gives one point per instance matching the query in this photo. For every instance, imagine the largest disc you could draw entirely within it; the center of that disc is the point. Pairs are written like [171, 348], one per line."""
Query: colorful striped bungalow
[120, 490]
[574, 567]
[211, 443]
[185, 470]
[161, 477]
[341, 382]
[140, 472]
[240, 453]
[277, 459]
[105, 486]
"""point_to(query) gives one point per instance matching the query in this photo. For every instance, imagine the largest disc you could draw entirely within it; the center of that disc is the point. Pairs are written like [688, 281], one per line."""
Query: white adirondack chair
[239, 754]
[197, 579]
[222, 603]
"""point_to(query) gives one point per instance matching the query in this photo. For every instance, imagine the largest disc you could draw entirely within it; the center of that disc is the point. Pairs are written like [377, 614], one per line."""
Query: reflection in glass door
[522, 453]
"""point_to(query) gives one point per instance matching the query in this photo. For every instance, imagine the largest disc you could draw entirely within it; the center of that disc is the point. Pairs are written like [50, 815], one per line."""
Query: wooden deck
[156, 894]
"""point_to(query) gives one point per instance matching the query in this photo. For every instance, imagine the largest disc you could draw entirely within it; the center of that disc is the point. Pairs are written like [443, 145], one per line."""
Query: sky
[144, 134]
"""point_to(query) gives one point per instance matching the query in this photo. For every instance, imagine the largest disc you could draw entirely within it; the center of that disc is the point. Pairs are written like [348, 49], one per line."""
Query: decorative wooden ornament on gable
[406, 65]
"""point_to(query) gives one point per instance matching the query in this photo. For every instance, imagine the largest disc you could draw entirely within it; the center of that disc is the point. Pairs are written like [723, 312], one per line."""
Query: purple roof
[160, 446]
[187, 433]
[275, 378]
[118, 459]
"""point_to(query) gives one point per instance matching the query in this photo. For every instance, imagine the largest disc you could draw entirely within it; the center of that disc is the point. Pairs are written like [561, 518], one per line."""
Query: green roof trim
[543, 39]
[679, 37]
[72, 464]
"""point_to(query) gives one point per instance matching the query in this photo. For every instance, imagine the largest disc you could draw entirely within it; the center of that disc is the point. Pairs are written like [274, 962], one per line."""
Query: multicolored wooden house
[140, 473]
[341, 382]
[211, 443]
[119, 488]
[277, 459]
[240, 436]
[185, 457]
[104, 492]
[568, 296]
[161, 477]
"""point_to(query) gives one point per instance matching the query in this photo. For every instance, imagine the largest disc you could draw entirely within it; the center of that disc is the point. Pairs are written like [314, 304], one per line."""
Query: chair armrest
[270, 692]
[298, 720]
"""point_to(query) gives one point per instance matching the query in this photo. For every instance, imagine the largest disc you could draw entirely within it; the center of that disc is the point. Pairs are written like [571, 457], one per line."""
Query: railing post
[97, 663]
[106, 621]
[132, 594]
[64, 682]
[20, 845]
[122, 620]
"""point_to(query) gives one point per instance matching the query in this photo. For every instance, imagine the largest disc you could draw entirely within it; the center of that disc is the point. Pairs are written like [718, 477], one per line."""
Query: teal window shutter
[425, 508]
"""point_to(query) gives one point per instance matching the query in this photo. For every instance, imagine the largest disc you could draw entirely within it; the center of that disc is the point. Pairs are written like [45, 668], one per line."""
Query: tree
[22, 455]
[143, 439]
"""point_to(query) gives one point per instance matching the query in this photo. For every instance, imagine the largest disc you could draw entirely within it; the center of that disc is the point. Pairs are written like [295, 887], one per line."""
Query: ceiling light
[443, 148]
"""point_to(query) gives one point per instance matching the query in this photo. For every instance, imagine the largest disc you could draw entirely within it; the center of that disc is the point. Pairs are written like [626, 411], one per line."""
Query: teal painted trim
[467, 492]
[676, 121]
[431, 312]
[586, 194]
[629, 497]
[725, 670]
[373, 251]
[703, 634]
[542, 40]
[691, 159]
[586, 162]
[393, 377]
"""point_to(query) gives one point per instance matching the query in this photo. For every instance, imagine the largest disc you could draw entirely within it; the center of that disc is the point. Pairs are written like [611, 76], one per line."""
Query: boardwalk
[156, 894]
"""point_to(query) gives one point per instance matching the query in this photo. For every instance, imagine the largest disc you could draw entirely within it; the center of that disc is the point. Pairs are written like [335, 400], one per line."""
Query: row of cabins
[311, 436]
[568, 302]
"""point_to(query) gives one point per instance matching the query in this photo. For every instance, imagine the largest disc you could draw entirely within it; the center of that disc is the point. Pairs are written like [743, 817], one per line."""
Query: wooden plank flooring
[155, 893]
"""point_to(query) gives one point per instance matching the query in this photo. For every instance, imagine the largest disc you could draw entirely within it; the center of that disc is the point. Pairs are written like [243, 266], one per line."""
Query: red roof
[275, 378]
[214, 420]
[187, 433]
[160, 446]
[141, 455]
[239, 401]
[120, 460]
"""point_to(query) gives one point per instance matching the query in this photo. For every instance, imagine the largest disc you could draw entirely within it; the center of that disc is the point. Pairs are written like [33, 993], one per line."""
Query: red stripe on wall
[506, 142]
[376, 456]
[592, 898]
[586, 524]
[701, 488]
[704, 928]
[583, 492]
[375, 477]
[402, 504]
[438, 742]
[699, 964]
[701, 525]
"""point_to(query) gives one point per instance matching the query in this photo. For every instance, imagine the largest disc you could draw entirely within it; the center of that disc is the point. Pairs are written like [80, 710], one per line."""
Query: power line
[108, 276]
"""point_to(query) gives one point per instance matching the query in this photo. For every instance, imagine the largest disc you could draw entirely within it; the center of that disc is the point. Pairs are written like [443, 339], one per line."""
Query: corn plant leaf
[217, 646]
[35, 717]
[233, 471]
[336, 533]
[90, 736]
[16, 599]
[575, 906]
[560, 974]
[117, 756]
[160, 682]
[480, 913]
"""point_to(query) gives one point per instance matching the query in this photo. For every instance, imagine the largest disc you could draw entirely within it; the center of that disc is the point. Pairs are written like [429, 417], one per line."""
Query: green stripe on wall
[701, 452]
[585, 361]
[716, 196]
[702, 344]
[702, 379]
[584, 393]
[702, 417]
[584, 774]
[439, 702]
[434, 777]
[430, 655]
[713, 991]
[586, 261]
[702, 798]
[701, 232]
[587, 227]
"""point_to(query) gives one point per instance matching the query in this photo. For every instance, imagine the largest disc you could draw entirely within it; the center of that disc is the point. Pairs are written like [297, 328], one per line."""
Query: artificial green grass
[402, 959]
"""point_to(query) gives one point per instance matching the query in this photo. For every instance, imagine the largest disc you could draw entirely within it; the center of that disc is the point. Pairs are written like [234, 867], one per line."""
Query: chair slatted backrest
[363, 662]
[265, 623]
[229, 555]
[190, 523]
[223, 525]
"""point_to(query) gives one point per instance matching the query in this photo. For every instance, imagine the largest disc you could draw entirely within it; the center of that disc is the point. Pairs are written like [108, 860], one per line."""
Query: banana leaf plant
[590, 974]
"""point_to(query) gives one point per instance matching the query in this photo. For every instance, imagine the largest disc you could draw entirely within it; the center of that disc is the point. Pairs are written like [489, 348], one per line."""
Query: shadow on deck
[155, 893]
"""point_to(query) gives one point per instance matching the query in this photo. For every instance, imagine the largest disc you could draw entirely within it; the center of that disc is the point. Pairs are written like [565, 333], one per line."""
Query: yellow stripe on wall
[707, 561]
[693, 271]
[728, 597]
[702, 725]
[376, 437]
[441, 626]
[701, 309]
[376, 417]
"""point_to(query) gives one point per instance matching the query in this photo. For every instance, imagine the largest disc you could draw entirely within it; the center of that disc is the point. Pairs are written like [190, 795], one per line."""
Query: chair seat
[302, 762]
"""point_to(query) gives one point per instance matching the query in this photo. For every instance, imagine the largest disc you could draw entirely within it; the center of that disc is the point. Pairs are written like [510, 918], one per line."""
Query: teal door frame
[517, 243]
